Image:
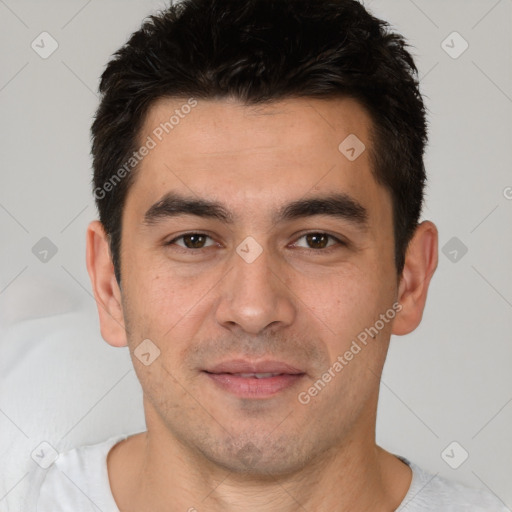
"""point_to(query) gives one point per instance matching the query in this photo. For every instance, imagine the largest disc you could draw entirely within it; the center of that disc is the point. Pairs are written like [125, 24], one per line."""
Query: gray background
[448, 381]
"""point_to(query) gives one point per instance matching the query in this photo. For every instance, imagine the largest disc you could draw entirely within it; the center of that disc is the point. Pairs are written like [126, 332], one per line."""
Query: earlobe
[105, 287]
[420, 264]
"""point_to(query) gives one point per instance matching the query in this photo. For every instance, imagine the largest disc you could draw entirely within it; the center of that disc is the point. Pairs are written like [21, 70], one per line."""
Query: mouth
[258, 380]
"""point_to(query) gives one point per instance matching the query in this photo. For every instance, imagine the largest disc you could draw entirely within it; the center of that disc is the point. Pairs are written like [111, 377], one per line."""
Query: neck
[152, 470]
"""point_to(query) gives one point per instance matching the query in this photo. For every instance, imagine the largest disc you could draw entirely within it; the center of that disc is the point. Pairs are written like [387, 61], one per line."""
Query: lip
[226, 376]
[245, 366]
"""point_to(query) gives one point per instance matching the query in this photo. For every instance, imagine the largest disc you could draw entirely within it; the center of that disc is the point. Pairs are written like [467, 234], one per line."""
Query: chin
[260, 457]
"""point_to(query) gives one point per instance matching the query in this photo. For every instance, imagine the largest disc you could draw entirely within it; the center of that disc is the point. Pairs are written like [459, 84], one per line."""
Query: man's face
[290, 299]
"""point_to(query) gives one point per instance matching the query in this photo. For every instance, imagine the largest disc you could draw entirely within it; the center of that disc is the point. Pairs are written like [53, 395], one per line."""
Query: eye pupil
[197, 241]
[314, 238]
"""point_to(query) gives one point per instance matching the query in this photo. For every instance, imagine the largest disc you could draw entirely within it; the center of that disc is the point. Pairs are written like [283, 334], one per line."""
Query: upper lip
[245, 366]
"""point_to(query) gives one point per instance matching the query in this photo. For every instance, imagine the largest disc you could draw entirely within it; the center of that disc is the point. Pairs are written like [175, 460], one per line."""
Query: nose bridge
[253, 296]
[253, 266]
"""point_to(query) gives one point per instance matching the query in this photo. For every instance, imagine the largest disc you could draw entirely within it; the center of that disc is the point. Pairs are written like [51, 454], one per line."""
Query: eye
[319, 241]
[191, 241]
[315, 241]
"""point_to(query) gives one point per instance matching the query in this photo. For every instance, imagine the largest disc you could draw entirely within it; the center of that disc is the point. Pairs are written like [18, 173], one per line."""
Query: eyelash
[339, 243]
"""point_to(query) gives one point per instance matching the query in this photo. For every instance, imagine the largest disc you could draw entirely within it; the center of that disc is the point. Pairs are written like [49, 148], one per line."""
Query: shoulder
[77, 480]
[432, 492]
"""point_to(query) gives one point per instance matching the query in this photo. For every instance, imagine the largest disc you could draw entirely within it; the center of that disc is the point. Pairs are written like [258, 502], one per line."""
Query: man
[259, 178]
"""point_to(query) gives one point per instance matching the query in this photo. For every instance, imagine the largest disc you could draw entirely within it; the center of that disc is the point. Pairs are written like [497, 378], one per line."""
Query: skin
[301, 306]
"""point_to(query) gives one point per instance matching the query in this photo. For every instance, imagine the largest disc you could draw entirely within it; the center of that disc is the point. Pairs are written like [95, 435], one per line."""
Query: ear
[105, 287]
[420, 264]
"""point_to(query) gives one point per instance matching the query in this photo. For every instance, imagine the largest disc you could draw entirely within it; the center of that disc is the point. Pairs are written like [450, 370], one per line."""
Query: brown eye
[191, 241]
[319, 241]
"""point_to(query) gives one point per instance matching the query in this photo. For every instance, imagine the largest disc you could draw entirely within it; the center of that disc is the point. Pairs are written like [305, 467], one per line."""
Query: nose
[254, 296]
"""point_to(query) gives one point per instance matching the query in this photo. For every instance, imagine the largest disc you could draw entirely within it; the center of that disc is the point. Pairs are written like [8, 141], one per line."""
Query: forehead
[265, 154]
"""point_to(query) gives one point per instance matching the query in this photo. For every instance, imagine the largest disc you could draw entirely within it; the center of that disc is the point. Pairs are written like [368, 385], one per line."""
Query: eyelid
[188, 233]
[339, 240]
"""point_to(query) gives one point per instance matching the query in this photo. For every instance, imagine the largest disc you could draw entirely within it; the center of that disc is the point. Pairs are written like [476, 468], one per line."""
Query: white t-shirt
[78, 482]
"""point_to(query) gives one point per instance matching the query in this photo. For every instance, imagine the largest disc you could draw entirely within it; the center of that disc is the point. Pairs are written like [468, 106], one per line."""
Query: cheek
[166, 307]
[347, 303]
[343, 297]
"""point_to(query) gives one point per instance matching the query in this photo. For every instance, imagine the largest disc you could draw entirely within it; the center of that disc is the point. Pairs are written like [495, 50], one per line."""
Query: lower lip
[251, 387]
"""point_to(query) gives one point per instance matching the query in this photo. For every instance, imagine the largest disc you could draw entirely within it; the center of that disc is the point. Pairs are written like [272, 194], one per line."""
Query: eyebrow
[337, 205]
